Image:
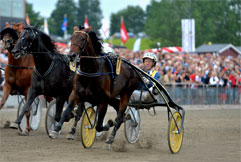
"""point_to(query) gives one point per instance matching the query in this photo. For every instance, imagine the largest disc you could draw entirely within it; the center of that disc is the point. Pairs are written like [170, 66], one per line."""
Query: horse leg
[32, 94]
[6, 91]
[27, 130]
[65, 115]
[59, 107]
[102, 108]
[120, 117]
[115, 103]
[78, 115]
[27, 114]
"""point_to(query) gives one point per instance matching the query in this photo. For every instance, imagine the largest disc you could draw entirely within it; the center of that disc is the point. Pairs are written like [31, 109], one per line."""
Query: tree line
[216, 21]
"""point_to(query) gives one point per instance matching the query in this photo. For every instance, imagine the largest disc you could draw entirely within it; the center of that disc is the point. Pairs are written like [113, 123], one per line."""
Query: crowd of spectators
[190, 68]
[187, 76]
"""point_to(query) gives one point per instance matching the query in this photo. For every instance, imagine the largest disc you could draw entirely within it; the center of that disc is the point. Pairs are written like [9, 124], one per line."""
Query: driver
[149, 61]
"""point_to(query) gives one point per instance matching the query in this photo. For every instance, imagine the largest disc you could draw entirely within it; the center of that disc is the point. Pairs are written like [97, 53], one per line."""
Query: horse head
[80, 43]
[9, 37]
[25, 41]
[33, 41]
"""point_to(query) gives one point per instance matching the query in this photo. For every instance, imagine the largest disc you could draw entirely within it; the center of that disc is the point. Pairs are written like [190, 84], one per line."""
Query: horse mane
[96, 41]
[48, 42]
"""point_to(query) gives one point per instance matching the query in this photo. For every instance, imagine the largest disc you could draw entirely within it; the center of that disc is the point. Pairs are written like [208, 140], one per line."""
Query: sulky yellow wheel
[88, 131]
[174, 137]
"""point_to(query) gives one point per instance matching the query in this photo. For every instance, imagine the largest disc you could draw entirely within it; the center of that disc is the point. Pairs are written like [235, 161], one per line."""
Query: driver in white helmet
[149, 61]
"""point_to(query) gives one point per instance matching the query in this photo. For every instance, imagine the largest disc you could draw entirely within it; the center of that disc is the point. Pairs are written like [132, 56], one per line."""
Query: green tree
[93, 12]
[215, 21]
[57, 16]
[134, 19]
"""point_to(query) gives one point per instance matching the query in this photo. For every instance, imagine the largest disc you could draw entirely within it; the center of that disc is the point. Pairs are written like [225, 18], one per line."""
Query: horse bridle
[29, 44]
[85, 44]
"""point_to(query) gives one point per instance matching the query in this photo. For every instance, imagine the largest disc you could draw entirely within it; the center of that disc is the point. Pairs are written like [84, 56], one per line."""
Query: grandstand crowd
[209, 69]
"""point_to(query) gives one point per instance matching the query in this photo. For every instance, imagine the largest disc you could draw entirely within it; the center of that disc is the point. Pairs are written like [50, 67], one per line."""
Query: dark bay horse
[94, 81]
[17, 72]
[51, 75]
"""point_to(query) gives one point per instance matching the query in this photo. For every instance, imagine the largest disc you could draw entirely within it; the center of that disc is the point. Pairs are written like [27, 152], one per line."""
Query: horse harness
[42, 77]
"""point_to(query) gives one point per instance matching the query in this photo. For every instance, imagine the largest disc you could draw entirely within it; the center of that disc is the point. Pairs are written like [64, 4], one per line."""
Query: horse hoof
[13, 126]
[110, 140]
[128, 117]
[7, 124]
[70, 137]
[110, 123]
[53, 134]
[99, 135]
[24, 133]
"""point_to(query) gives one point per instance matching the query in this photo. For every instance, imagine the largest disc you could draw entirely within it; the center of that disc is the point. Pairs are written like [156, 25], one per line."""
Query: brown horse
[96, 83]
[17, 72]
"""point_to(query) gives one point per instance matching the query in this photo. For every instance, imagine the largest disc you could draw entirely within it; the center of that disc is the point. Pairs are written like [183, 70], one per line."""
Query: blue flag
[64, 25]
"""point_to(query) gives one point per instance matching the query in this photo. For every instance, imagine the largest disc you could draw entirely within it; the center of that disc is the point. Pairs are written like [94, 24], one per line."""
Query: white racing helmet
[150, 55]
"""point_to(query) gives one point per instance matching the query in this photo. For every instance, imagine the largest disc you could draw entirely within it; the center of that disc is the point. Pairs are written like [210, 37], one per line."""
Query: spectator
[168, 77]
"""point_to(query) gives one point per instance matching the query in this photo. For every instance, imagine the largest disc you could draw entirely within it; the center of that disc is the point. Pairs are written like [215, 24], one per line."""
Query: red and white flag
[86, 24]
[124, 34]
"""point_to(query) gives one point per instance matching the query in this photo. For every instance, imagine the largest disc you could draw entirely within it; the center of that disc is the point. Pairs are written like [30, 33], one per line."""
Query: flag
[137, 45]
[124, 34]
[104, 31]
[86, 24]
[46, 29]
[64, 24]
[27, 20]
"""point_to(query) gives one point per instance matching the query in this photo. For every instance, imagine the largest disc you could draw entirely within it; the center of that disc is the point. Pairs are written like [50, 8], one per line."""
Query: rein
[98, 73]
[92, 74]
[18, 67]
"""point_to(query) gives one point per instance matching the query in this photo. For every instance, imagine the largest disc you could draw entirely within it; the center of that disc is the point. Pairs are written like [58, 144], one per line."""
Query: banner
[188, 35]
[124, 34]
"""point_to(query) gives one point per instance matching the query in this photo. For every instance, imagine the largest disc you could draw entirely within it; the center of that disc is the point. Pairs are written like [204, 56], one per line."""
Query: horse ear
[36, 25]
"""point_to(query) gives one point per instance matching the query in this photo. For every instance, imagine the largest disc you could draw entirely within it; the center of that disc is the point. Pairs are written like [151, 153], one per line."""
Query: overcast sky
[45, 7]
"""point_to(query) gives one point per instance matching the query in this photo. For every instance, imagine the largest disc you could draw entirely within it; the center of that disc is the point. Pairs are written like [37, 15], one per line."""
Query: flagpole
[65, 32]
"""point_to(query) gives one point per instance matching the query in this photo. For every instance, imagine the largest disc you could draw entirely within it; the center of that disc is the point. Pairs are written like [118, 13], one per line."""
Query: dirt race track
[212, 134]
